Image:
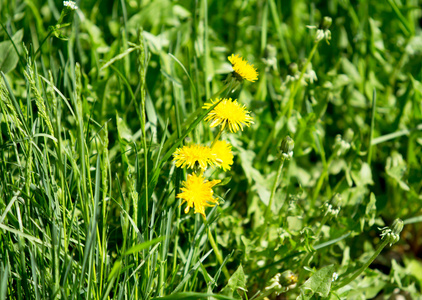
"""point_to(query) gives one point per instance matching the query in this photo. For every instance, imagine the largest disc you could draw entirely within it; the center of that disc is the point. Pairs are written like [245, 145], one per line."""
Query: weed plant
[142, 156]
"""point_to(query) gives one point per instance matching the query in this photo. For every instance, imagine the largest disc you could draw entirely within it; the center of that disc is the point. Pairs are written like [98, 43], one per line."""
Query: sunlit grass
[138, 162]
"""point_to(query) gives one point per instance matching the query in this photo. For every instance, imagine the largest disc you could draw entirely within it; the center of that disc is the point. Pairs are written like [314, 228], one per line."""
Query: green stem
[42, 43]
[297, 85]
[371, 134]
[264, 295]
[361, 269]
[217, 251]
[324, 220]
[324, 173]
[277, 23]
[217, 137]
[275, 184]
[228, 86]
[309, 256]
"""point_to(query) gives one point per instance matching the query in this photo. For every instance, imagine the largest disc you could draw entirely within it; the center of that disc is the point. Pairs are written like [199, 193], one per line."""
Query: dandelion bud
[275, 285]
[325, 23]
[287, 146]
[397, 226]
[392, 234]
[348, 135]
[323, 31]
[336, 200]
[288, 278]
[293, 69]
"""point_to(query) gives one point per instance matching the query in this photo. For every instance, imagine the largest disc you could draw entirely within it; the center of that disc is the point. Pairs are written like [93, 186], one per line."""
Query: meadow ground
[142, 156]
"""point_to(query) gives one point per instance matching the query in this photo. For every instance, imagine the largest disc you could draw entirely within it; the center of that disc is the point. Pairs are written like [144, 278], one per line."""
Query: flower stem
[217, 137]
[216, 251]
[42, 43]
[309, 256]
[302, 73]
[264, 294]
[275, 184]
[361, 269]
[227, 87]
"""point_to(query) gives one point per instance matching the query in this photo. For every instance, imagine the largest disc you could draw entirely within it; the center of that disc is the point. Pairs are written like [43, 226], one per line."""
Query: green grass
[94, 103]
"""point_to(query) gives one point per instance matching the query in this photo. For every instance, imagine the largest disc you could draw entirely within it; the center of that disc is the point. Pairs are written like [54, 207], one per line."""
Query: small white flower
[331, 211]
[341, 146]
[321, 34]
[70, 4]
[335, 276]
[311, 76]
[288, 155]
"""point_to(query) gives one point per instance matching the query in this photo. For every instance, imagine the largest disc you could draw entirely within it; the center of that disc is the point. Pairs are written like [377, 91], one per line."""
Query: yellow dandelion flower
[242, 69]
[224, 154]
[197, 192]
[228, 113]
[194, 154]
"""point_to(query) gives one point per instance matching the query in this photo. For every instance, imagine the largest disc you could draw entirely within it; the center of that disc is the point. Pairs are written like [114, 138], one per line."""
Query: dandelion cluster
[227, 114]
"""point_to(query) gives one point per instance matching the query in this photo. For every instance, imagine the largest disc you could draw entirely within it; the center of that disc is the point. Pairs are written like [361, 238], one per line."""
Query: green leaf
[362, 174]
[193, 296]
[142, 246]
[236, 282]
[396, 168]
[123, 130]
[295, 223]
[371, 210]
[319, 283]
[225, 181]
[9, 58]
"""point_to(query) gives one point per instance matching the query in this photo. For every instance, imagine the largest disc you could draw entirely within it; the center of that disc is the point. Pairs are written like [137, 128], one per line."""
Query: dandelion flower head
[228, 113]
[222, 150]
[197, 192]
[190, 156]
[243, 69]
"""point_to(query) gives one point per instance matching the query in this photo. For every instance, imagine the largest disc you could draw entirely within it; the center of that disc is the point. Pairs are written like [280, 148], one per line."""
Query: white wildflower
[70, 4]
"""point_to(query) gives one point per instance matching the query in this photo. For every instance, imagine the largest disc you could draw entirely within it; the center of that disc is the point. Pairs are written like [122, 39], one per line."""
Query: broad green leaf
[295, 223]
[123, 130]
[396, 168]
[414, 267]
[362, 174]
[237, 282]
[8, 56]
[319, 283]
[371, 209]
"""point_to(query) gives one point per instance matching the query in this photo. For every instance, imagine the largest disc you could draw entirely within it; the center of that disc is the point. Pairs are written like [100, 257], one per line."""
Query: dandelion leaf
[237, 282]
[319, 283]
[396, 169]
[9, 58]
[371, 210]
